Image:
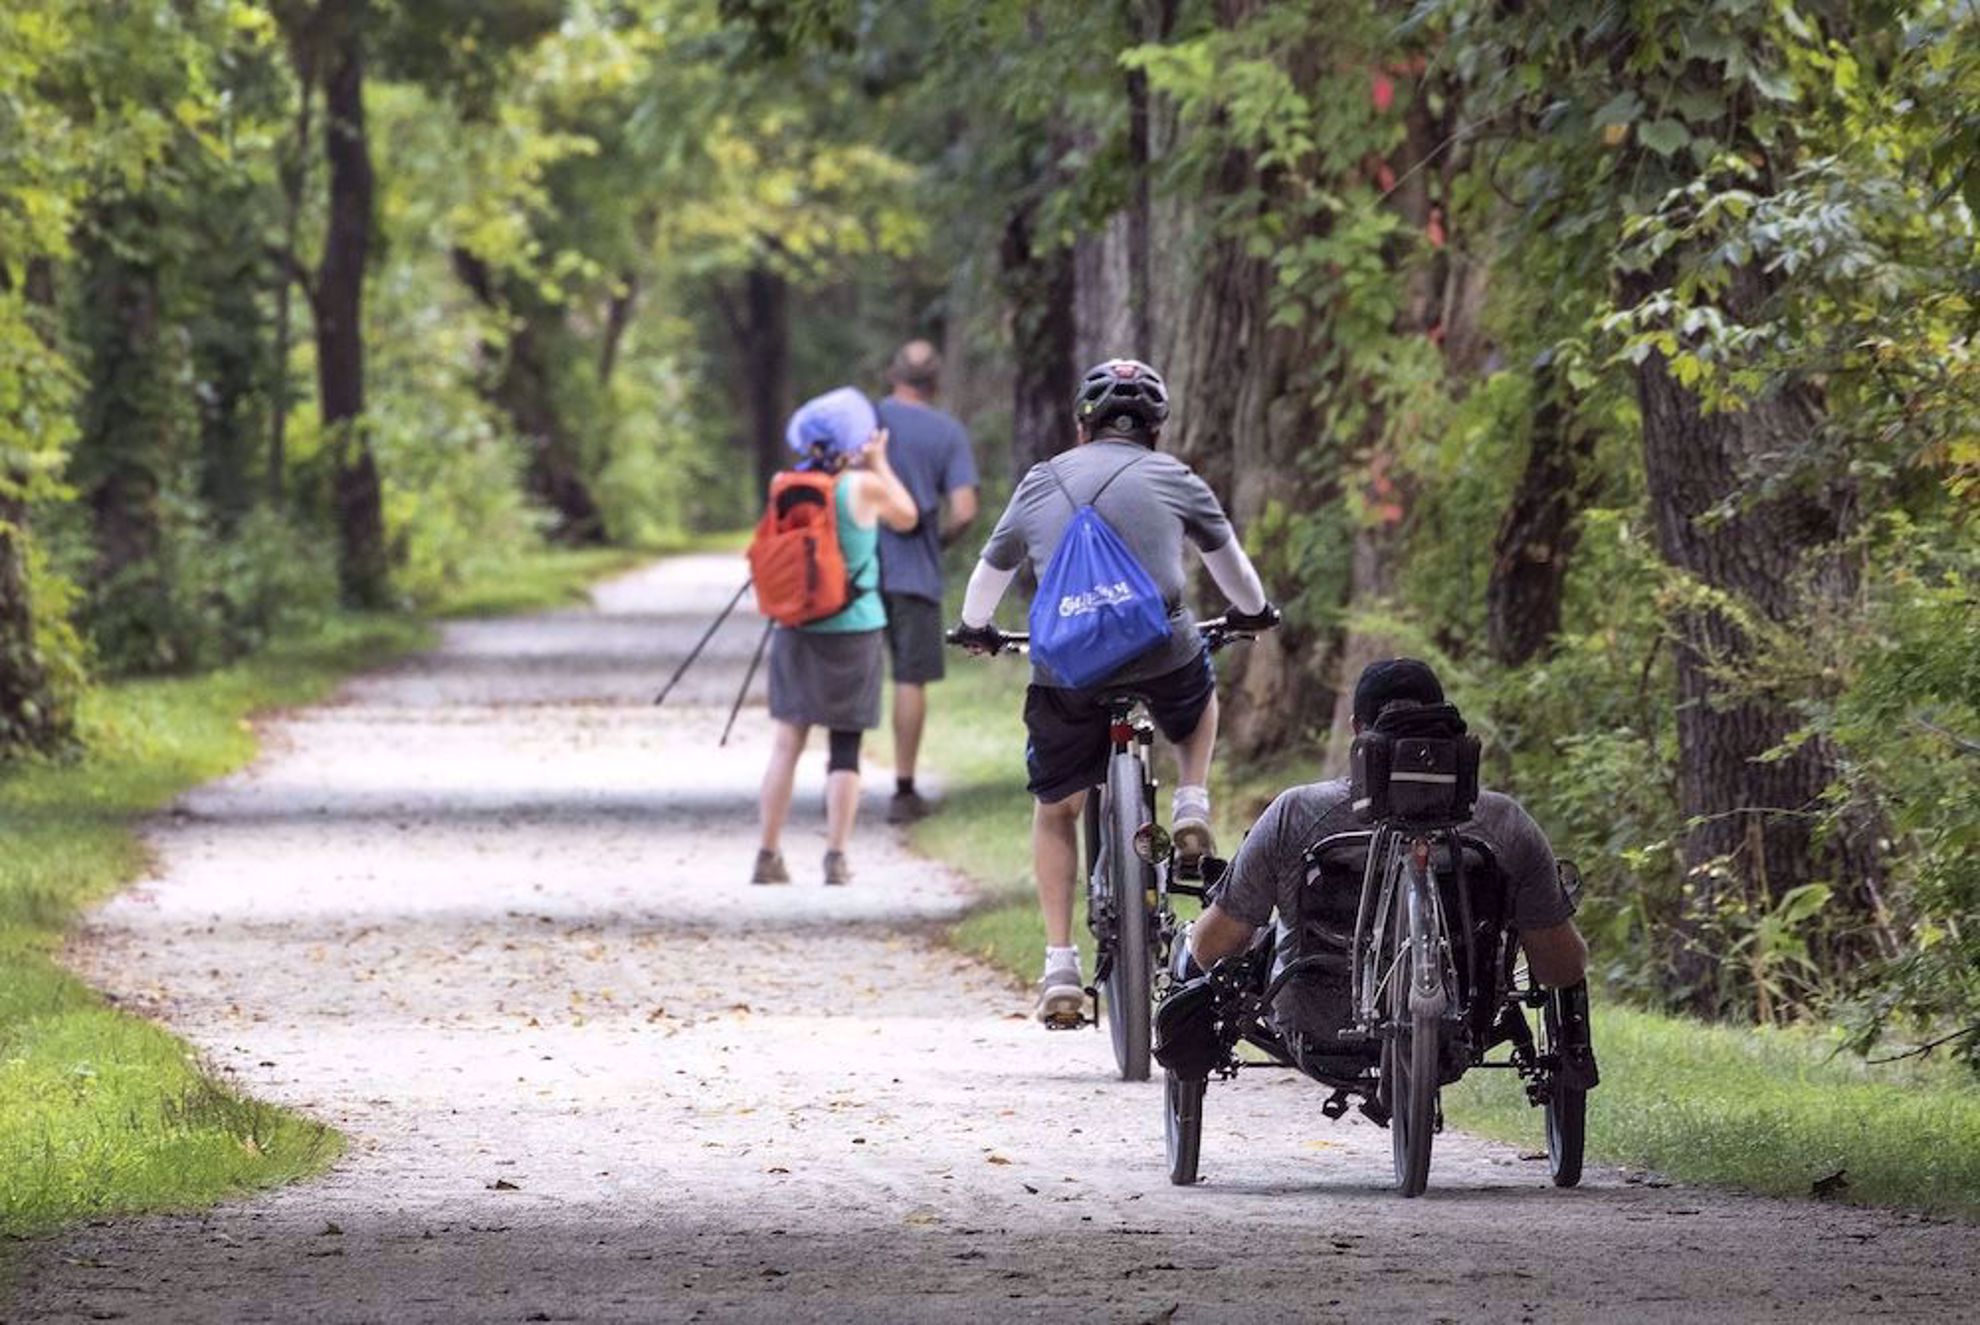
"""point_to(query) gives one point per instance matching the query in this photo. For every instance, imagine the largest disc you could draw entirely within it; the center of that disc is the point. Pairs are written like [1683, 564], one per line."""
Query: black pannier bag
[1417, 763]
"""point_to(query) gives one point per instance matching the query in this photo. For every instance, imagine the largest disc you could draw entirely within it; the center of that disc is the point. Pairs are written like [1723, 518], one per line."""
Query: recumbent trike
[1389, 990]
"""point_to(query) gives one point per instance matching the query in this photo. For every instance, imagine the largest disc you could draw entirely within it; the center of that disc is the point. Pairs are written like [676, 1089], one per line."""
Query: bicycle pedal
[1336, 1105]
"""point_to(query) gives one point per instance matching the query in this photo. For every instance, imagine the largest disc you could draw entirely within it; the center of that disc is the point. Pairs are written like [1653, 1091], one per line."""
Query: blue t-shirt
[930, 452]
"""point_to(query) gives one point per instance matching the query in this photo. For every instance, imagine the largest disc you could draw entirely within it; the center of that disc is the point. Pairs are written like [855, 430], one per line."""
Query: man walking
[930, 452]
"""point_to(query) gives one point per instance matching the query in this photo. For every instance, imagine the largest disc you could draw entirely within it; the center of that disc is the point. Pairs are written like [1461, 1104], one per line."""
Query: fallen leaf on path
[332, 1230]
[996, 1159]
[503, 1185]
[1833, 1185]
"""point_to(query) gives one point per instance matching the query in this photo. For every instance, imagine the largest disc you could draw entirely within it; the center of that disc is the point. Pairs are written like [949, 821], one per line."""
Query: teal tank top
[862, 551]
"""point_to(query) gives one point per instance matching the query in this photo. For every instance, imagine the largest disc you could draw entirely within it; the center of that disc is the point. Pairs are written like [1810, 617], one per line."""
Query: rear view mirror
[1569, 874]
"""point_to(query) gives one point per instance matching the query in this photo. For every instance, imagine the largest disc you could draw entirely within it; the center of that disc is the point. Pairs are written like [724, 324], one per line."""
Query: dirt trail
[487, 915]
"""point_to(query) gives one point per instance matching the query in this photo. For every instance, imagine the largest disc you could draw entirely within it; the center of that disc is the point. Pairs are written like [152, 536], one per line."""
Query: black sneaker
[907, 807]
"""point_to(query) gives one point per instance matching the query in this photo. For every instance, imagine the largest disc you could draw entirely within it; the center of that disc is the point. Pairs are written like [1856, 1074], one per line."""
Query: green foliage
[206, 598]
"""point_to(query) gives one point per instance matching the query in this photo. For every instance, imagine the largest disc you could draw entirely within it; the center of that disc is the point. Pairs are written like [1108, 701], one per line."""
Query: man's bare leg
[1055, 864]
[1190, 819]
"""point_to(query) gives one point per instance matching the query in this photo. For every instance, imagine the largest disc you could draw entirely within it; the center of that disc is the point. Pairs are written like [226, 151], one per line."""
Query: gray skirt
[826, 679]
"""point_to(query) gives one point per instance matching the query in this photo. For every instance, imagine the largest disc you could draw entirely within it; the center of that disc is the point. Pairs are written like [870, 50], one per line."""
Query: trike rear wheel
[1566, 1107]
[1410, 1063]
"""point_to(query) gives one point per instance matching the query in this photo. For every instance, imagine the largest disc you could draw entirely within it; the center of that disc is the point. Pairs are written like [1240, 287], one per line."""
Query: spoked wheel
[1183, 1126]
[1410, 1059]
[1566, 1108]
[1128, 879]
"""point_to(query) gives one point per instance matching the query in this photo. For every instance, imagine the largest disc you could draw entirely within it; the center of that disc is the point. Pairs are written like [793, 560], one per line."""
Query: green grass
[1767, 1111]
[537, 580]
[1763, 1111]
[101, 1112]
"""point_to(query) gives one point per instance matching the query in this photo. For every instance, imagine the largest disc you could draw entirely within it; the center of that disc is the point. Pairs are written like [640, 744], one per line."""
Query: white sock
[1192, 801]
[1059, 958]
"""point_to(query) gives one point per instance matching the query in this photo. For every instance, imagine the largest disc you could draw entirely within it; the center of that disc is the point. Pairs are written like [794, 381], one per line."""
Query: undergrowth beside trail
[1764, 1111]
[102, 1112]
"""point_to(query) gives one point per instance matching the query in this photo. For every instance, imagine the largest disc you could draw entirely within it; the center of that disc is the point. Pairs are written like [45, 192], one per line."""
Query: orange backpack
[795, 560]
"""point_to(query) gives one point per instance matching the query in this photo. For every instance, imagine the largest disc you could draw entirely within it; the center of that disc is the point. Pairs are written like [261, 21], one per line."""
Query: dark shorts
[1069, 741]
[914, 638]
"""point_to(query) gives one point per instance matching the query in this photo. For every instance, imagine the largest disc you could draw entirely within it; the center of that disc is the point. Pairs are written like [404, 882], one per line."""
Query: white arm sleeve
[1235, 575]
[985, 591]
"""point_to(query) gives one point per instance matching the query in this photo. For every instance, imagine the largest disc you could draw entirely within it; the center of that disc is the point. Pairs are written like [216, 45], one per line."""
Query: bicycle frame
[1398, 873]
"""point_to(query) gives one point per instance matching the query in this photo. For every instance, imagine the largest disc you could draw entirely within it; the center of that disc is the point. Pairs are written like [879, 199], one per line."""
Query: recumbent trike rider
[1393, 963]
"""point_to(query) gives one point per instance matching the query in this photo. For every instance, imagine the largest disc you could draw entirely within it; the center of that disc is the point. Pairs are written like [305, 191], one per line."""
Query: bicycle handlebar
[1217, 633]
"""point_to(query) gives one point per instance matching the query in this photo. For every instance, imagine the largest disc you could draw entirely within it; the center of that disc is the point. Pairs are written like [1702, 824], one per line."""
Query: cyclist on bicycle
[1269, 870]
[1155, 502]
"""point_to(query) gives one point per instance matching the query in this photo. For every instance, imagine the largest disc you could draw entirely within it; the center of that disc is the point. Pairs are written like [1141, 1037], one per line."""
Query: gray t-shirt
[1269, 870]
[1268, 876]
[929, 450]
[1153, 506]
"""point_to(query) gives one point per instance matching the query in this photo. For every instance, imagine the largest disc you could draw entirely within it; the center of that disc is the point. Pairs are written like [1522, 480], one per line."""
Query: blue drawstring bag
[1096, 610]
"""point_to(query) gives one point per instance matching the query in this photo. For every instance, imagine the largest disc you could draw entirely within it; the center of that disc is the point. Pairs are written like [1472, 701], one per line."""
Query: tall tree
[1537, 536]
[328, 40]
[1651, 126]
[338, 299]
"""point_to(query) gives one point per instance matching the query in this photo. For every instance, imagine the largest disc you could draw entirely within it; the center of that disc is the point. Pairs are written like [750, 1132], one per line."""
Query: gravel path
[486, 914]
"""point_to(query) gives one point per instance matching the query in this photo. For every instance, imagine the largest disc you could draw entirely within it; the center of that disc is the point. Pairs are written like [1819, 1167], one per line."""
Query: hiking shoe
[1189, 827]
[770, 868]
[837, 872]
[1062, 998]
[906, 807]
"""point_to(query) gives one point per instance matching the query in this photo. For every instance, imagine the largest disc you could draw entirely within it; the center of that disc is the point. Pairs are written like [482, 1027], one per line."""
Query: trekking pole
[756, 660]
[688, 661]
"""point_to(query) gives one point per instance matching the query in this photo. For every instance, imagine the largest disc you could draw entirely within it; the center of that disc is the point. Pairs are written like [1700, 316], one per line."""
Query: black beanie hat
[1389, 679]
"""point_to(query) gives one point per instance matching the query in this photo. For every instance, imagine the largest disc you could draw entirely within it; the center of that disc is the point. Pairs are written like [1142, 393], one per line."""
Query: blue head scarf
[830, 429]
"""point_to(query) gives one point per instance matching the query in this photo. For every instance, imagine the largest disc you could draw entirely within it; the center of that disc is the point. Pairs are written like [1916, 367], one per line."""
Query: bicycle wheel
[1565, 1107]
[1410, 1053]
[1182, 1131]
[1129, 995]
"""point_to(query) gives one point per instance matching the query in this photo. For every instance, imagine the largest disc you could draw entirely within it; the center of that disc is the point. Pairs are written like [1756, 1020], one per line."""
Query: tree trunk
[1040, 289]
[339, 307]
[125, 443]
[1537, 536]
[1245, 421]
[518, 382]
[294, 175]
[763, 340]
[618, 317]
[33, 717]
[1433, 291]
[1751, 838]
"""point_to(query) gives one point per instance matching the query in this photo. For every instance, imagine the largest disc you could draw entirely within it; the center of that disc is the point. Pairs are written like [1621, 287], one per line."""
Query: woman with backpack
[816, 566]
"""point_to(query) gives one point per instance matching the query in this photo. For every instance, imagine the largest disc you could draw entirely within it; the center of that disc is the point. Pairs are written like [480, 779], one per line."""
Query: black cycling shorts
[1069, 742]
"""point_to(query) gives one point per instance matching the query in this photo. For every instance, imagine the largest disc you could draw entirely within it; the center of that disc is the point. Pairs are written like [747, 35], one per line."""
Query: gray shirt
[1270, 868]
[1153, 506]
[1268, 877]
[929, 450]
